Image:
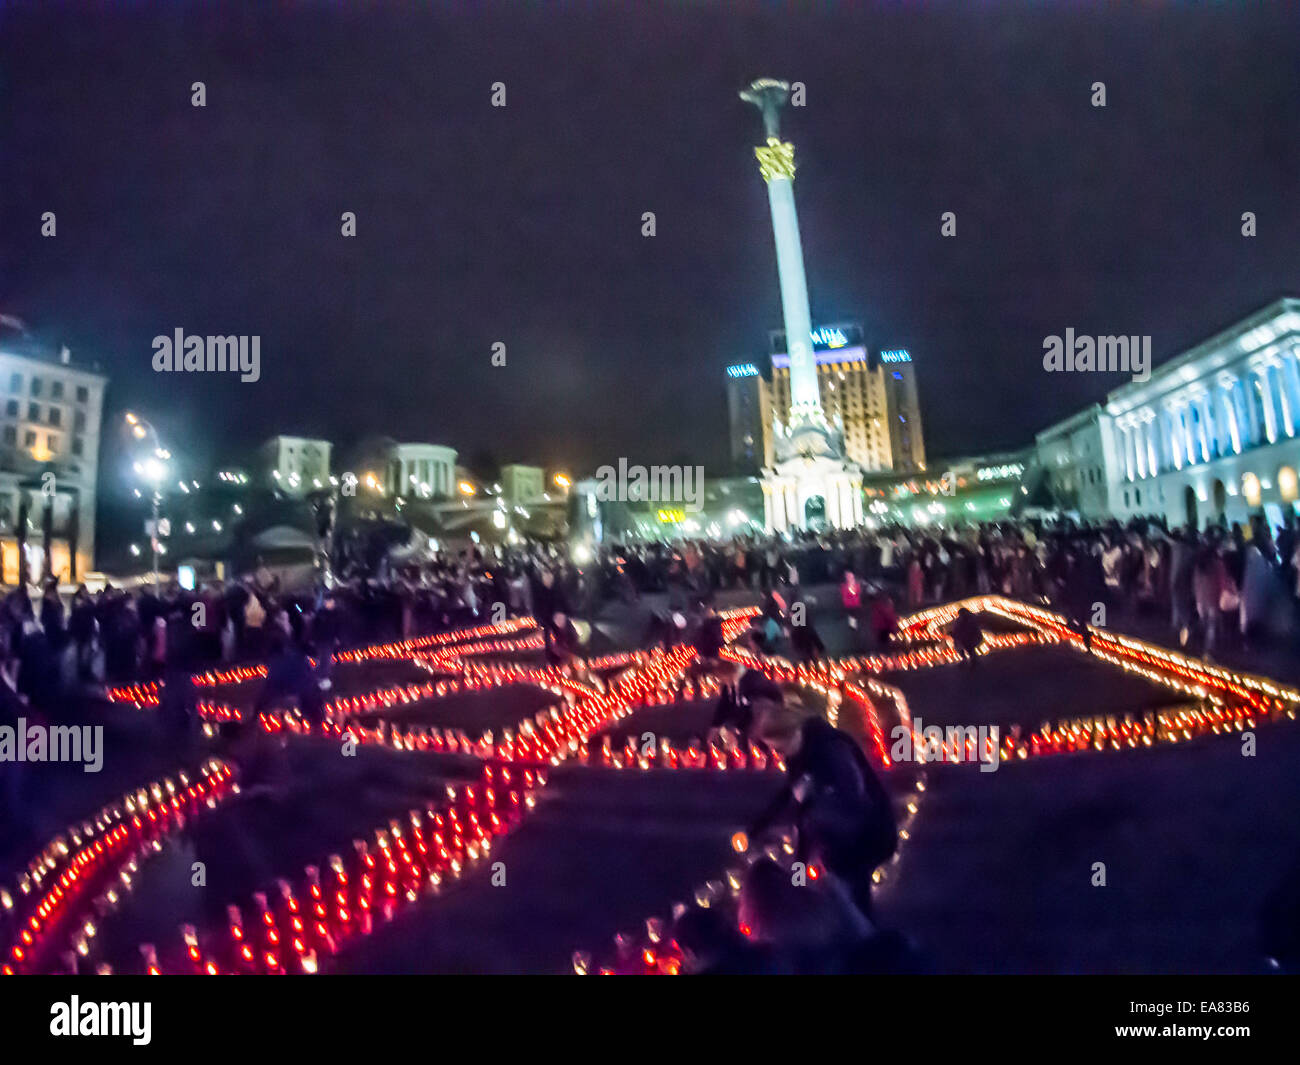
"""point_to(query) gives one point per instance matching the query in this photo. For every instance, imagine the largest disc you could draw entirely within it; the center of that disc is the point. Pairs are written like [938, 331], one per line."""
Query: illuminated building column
[774, 509]
[1169, 431]
[1139, 449]
[1185, 422]
[1244, 389]
[1213, 427]
[1230, 410]
[1291, 378]
[776, 164]
[1283, 396]
[1266, 397]
[1198, 408]
[1149, 432]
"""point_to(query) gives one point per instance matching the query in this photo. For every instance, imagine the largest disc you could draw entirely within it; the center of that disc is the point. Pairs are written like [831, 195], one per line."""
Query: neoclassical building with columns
[1213, 435]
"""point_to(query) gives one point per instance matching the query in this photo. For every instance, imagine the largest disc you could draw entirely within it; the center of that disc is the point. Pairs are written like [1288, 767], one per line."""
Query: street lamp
[153, 471]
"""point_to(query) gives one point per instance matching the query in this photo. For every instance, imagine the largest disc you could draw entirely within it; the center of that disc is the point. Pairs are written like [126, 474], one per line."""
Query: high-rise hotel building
[870, 395]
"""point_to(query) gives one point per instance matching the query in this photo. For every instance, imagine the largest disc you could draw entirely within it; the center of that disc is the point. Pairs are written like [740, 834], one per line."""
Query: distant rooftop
[17, 339]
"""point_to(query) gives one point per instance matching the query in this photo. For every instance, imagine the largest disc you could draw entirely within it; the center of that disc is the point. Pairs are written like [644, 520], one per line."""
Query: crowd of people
[1206, 589]
[61, 647]
[1203, 588]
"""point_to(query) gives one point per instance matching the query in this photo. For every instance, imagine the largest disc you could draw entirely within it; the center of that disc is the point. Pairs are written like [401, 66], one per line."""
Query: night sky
[523, 224]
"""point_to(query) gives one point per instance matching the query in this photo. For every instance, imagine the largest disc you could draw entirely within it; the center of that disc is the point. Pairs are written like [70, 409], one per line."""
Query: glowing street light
[466, 489]
[562, 480]
[153, 471]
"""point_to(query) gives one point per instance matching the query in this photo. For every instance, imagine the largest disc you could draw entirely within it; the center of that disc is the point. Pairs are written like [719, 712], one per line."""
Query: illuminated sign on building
[671, 516]
[896, 355]
[744, 369]
[829, 336]
[824, 338]
[999, 473]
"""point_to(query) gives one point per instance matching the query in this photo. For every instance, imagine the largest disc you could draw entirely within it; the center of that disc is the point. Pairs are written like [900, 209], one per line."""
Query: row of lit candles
[124, 831]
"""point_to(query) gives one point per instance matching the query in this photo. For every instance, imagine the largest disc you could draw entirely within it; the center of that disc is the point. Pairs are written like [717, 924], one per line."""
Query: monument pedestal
[789, 488]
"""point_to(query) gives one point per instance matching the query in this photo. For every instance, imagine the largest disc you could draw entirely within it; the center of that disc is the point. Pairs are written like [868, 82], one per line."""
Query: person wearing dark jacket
[565, 644]
[843, 814]
[804, 638]
[739, 704]
[52, 617]
[549, 603]
[967, 636]
[709, 642]
[13, 808]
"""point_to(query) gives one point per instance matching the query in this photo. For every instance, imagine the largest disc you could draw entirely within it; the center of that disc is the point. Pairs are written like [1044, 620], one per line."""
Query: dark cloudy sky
[522, 224]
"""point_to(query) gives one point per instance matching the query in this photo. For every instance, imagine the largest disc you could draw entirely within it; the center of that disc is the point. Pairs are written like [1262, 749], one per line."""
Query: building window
[33, 412]
[16, 383]
[77, 446]
[11, 435]
[36, 386]
[79, 420]
[56, 390]
[29, 439]
[83, 394]
[56, 416]
[52, 442]
[11, 408]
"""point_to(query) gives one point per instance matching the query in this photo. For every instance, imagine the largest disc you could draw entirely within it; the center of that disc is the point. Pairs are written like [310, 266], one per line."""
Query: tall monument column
[776, 164]
[810, 482]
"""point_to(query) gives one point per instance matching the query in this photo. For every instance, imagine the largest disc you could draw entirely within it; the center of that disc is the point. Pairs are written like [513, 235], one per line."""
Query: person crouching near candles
[884, 620]
[747, 694]
[564, 648]
[841, 812]
[967, 635]
[805, 641]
